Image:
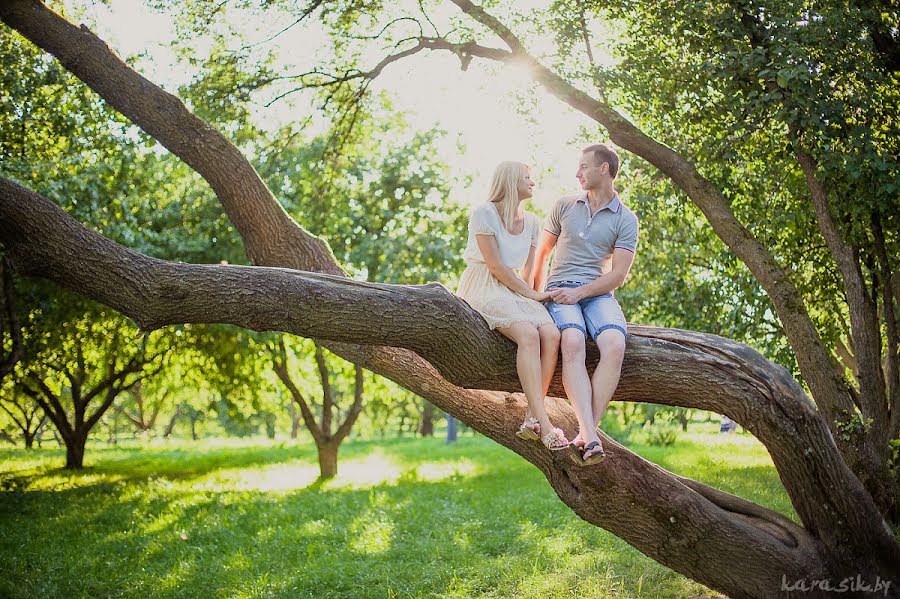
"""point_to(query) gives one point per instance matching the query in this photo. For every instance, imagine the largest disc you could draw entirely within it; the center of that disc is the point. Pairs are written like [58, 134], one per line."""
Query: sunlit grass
[403, 518]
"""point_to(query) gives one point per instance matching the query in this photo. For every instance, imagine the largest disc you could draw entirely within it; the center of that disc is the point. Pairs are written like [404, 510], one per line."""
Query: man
[595, 237]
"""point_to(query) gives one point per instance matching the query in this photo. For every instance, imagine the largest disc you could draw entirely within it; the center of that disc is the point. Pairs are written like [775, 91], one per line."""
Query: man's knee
[572, 344]
[611, 344]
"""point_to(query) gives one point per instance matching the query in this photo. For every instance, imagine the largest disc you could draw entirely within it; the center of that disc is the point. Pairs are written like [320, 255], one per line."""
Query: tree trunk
[171, 426]
[328, 459]
[29, 439]
[682, 418]
[269, 420]
[451, 429]
[426, 428]
[75, 450]
[296, 416]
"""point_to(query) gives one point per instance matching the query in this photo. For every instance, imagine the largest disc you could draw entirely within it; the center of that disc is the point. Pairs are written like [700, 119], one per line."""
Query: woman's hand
[540, 296]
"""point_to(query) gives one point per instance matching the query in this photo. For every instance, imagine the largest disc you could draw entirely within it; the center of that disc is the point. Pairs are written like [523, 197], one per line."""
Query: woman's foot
[555, 440]
[530, 430]
[577, 442]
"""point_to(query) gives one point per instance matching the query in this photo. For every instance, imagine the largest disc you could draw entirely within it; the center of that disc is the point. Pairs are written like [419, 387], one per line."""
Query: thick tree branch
[863, 319]
[663, 366]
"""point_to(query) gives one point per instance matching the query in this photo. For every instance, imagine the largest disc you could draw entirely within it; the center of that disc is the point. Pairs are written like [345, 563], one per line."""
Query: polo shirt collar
[613, 205]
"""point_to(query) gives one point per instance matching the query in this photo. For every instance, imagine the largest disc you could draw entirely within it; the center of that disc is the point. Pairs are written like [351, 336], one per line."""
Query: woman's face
[526, 185]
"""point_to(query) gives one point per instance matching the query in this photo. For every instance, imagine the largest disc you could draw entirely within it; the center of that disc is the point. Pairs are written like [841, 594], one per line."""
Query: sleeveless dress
[497, 303]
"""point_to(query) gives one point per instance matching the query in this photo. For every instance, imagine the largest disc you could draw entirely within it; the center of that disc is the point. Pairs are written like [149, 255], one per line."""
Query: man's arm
[621, 263]
[542, 254]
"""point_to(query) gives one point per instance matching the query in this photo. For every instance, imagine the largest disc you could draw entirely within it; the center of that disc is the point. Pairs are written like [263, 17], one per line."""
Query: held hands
[566, 296]
[540, 296]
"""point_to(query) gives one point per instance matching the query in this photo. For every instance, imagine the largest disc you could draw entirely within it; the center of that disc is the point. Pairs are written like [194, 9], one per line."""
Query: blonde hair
[505, 190]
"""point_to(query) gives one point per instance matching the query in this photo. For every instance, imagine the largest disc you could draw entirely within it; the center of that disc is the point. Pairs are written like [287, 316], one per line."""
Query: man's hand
[567, 296]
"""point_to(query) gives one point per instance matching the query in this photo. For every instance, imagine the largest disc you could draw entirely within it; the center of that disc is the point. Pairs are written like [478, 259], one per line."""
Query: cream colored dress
[497, 303]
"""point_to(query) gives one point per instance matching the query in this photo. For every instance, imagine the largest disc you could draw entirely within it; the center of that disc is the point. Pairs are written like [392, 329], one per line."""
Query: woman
[502, 238]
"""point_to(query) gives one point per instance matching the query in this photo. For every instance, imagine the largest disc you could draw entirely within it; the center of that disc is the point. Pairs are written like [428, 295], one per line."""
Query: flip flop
[597, 454]
[526, 430]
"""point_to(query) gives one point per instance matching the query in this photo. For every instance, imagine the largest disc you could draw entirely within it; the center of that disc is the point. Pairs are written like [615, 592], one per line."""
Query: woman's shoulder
[484, 208]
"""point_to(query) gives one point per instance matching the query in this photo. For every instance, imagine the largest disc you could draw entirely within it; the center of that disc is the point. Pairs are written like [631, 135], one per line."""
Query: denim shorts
[591, 316]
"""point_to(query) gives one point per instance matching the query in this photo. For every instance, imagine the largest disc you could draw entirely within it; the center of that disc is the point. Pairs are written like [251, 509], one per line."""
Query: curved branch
[663, 366]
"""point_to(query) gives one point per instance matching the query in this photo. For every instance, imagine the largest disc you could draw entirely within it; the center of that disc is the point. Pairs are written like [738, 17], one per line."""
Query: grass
[404, 518]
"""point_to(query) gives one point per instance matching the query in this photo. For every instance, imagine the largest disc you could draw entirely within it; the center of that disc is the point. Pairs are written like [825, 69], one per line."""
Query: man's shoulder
[627, 213]
[567, 201]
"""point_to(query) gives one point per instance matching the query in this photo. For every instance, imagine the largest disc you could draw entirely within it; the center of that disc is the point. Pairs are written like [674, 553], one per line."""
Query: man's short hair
[603, 153]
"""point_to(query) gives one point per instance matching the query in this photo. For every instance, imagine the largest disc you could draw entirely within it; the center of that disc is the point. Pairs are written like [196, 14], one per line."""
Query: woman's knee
[527, 337]
[550, 335]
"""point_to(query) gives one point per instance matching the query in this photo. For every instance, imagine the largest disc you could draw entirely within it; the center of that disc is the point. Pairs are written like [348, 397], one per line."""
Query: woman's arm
[527, 272]
[491, 253]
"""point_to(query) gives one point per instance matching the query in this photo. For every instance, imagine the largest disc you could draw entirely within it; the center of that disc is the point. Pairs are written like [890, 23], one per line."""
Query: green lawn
[404, 518]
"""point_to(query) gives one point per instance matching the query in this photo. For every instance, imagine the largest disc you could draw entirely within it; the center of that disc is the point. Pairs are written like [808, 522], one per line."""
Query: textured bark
[683, 524]
[426, 426]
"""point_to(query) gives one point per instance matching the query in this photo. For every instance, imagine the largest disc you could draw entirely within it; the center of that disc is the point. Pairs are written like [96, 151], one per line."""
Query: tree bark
[328, 460]
[426, 427]
[681, 523]
[75, 444]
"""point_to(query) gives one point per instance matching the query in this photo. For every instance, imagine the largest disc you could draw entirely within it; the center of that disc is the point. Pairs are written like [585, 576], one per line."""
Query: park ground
[404, 518]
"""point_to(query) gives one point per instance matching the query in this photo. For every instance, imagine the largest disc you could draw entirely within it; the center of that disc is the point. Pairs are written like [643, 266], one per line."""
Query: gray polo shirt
[586, 242]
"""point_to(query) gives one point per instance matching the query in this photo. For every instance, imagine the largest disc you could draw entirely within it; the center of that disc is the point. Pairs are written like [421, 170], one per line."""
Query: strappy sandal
[594, 452]
[555, 440]
[529, 430]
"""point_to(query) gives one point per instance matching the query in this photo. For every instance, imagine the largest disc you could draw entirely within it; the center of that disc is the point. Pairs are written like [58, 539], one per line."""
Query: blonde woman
[502, 238]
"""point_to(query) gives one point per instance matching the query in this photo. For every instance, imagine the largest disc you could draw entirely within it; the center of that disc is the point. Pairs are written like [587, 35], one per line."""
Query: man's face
[590, 174]
[525, 186]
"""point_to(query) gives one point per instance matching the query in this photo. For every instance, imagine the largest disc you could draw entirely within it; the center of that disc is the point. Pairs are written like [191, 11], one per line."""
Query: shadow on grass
[499, 530]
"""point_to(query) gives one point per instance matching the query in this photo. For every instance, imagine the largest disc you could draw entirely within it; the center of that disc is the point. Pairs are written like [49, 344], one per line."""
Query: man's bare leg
[605, 379]
[577, 383]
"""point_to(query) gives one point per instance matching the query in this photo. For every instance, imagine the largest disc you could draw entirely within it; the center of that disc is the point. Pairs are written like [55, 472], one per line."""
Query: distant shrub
[663, 435]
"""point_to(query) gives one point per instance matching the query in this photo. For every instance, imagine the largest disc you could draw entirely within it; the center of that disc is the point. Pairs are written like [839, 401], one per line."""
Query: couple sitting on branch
[595, 236]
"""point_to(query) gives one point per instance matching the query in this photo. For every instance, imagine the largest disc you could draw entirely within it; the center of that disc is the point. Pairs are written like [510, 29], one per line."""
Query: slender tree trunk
[328, 459]
[426, 428]
[171, 426]
[296, 416]
[682, 418]
[451, 429]
[29, 439]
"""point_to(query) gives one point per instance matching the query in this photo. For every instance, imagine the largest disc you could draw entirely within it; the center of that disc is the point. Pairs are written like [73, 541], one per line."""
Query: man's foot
[593, 453]
[530, 430]
[555, 440]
